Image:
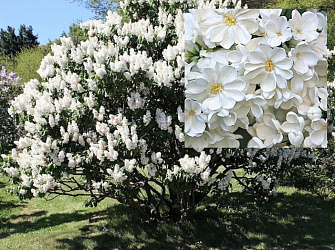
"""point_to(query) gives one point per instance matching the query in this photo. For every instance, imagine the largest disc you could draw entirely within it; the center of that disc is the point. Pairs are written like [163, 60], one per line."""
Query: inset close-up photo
[255, 78]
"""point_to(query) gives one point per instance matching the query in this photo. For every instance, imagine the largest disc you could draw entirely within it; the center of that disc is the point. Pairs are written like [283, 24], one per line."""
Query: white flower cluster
[255, 78]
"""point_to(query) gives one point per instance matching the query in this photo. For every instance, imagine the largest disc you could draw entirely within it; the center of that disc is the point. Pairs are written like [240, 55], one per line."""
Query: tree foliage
[99, 7]
[76, 33]
[12, 44]
[28, 62]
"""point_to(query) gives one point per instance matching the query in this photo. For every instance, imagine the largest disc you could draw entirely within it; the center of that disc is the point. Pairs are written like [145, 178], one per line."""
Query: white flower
[129, 164]
[304, 26]
[296, 138]
[163, 121]
[238, 57]
[194, 120]
[278, 31]
[135, 101]
[255, 103]
[224, 119]
[117, 174]
[318, 136]
[219, 88]
[298, 81]
[147, 118]
[310, 100]
[269, 130]
[227, 27]
[294, 126]
[269, 67]
[293, 122]
[314, 113]
[303, 58]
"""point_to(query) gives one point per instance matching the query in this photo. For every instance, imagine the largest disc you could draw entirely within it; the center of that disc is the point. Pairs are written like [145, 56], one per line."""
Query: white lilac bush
[107, 120]
[255, 78]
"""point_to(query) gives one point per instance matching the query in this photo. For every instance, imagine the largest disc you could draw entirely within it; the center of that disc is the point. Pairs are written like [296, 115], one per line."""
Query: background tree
[8, 43]
[26, 38]
[99, 7]
[11, 44]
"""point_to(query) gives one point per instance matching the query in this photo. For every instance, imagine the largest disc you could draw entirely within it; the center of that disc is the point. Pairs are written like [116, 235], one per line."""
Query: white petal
[216, 33]
[256, 76]
[227, 102]
[268, 84]
[197, 125]
[296, 138]
[278, 55]
[318, 136]
[237, 84]
[234, 56]
[228, 39]
[286, 74]
[241, 35]
[297, 84]
[263, 131]
[281, 82]
[288, 127]
[285, 64]
[300, 66]
[227, 74]
[255, 143]
[257, 111]
[256, 57]
[235, 94]
[212, 103]
[209, 75]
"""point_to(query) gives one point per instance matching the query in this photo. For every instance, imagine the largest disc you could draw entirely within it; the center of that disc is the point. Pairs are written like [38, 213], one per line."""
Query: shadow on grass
[39, 219]
[7, 206]
[289, 221]
[297, 221]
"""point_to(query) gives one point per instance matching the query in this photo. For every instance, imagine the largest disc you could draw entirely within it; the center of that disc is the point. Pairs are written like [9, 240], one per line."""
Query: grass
[292, 220]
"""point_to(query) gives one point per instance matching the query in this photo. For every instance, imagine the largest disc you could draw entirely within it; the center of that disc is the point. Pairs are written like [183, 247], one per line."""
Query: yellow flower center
[229, 19]
[279, 34]
[215, 88]
[298, 31]
[325, 127]
[191, 112]
[269, 66]
[263, 34]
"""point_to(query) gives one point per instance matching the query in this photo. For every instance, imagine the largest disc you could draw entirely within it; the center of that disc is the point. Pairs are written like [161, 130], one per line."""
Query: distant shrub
[9, 88]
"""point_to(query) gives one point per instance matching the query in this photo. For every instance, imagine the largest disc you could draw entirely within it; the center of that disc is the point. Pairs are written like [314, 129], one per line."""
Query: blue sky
[49, 18]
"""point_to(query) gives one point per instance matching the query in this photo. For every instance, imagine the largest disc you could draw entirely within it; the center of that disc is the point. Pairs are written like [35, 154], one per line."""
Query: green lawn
[292, 220]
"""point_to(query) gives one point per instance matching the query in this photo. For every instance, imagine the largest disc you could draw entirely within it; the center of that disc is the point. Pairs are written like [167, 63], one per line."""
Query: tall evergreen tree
[12, 44]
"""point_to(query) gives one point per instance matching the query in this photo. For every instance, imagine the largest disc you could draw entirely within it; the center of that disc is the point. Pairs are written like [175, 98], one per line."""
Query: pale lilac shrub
[9, 88]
